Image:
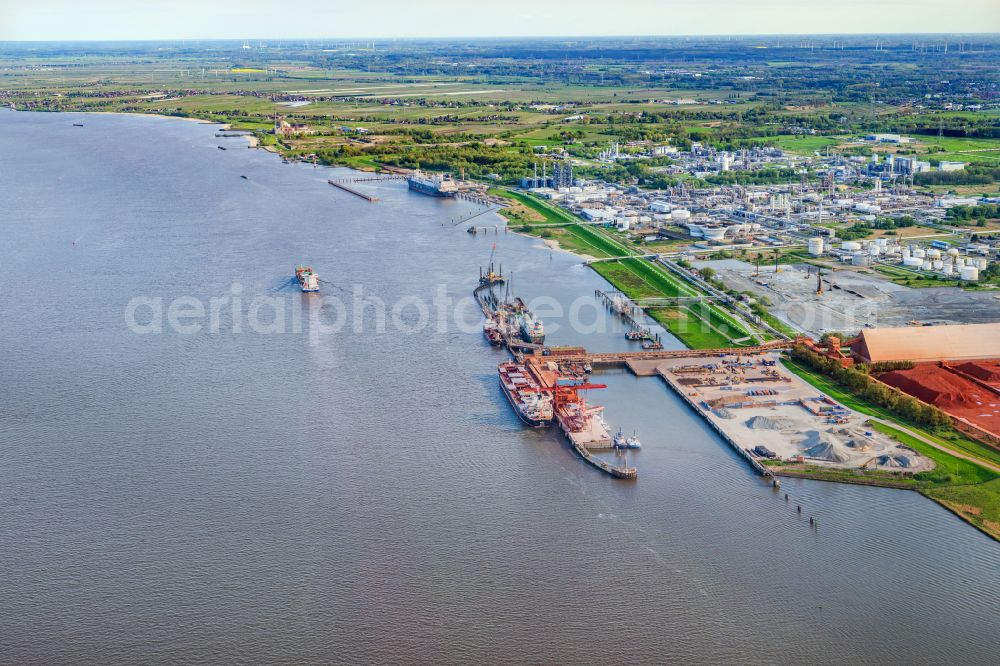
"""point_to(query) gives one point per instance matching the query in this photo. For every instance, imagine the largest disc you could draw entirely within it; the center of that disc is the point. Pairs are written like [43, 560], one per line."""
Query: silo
[815, 246]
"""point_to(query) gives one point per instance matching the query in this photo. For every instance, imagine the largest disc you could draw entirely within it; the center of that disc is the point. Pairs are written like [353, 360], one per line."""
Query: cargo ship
[491, 330]
[523, 391]
[308, 281]
[532, 329]
[435, 185]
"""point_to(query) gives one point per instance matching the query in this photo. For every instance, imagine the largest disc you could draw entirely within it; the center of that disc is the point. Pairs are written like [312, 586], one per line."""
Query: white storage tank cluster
[969, 274]
[815, 246]
[680, 215]
[912, 262]
[850, 246]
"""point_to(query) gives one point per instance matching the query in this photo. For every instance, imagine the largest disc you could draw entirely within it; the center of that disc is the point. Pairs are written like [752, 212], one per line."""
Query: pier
[353, 191]
[372, 179]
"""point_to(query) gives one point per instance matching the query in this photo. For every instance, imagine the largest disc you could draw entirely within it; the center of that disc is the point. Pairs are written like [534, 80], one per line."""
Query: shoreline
[553, 245]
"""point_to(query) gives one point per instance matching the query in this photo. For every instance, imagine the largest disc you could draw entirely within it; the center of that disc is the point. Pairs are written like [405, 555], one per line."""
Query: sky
[60, 20]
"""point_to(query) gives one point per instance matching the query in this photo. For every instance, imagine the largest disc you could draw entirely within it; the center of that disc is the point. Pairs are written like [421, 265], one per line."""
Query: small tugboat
[221, 147]
[620, 441]
[634, 334]
[308, 281]
[633, 442]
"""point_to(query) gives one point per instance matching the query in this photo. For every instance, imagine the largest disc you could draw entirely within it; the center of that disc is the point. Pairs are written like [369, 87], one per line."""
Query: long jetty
[366, 197]
[621, 305]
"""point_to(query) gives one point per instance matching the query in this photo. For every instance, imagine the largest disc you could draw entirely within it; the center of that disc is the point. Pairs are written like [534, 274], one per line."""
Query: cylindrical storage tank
[912, 261]
[969, 274]
[938, 264]
[850, 246]
[959, 262]
[919, 252]
[933, 254]
[874, 250]
[947, 269]
[815, 246]
[713, 232]
[926, 265]
[953, 252]
[882, 242]
[906, 253]
[680, 215]
[981, 264]
[756, 226]
[860, 259]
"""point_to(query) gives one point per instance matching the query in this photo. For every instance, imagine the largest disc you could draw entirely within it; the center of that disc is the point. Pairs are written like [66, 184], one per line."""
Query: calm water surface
[223, 497]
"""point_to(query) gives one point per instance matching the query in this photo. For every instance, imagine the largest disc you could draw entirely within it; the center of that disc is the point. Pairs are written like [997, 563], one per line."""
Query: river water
[369, 496]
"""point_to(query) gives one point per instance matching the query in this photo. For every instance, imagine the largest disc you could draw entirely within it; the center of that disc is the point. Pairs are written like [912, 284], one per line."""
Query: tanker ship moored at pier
[435, 185]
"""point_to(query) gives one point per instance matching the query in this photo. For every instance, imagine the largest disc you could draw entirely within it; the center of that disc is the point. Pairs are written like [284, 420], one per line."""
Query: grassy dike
[970, 491]
[698, 325]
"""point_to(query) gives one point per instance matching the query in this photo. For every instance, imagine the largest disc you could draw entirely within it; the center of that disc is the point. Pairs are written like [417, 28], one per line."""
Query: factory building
[928, 343]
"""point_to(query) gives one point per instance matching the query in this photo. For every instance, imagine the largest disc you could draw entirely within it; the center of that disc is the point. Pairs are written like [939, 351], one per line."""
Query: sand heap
[825, 451]
[987, 371]
[933, 385]
[764, 423]
[894, 461]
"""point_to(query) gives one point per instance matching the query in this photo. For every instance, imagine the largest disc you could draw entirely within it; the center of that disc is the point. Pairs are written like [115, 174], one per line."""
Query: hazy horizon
[123, 20]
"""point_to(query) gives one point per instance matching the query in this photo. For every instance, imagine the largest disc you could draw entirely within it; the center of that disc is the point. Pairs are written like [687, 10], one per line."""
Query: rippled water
[224, 497]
